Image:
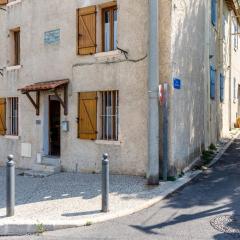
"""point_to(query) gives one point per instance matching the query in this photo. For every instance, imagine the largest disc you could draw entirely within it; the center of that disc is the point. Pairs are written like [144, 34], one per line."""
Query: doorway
[54, 126]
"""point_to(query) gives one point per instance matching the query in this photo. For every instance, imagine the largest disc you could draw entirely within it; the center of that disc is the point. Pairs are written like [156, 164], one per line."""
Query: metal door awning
[53, 86]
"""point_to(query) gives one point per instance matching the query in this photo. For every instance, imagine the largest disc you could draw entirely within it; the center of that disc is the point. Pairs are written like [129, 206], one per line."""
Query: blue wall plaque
[52, 37]
[177, 83]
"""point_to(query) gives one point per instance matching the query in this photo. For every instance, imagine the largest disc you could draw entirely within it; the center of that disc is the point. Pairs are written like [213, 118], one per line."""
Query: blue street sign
[177, 83]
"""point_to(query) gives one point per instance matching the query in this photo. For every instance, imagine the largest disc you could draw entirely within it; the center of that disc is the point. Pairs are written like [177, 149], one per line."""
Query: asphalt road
[186, 214]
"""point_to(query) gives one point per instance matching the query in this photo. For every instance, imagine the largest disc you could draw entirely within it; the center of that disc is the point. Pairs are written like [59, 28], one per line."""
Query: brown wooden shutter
[2, 116]
[87, 30]
[3, 2]
[87, 116]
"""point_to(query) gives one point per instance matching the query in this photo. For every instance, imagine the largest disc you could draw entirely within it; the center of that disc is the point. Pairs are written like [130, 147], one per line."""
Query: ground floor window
[98, 115]
[109, 115]
[12, 110]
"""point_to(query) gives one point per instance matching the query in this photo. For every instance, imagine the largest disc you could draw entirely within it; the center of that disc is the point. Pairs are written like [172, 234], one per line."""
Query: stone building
[75, 82]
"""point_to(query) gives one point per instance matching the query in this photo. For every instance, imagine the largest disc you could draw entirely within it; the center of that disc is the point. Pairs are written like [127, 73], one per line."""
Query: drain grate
[227, 224]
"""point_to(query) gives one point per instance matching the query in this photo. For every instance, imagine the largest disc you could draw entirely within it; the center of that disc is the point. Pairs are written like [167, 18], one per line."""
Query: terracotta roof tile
[44, 86]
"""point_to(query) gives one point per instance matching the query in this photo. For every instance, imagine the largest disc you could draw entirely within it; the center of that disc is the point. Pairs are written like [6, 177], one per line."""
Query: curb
[167, 188]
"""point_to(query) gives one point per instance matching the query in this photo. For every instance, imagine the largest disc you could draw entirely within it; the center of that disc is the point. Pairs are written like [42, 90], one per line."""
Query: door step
[49, 160]
[46, 168]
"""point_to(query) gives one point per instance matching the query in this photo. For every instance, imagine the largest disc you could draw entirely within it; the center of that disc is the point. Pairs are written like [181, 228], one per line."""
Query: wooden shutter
[87, 30]
[212, 82]
[2, 116]
[3, 2]
[87, 128]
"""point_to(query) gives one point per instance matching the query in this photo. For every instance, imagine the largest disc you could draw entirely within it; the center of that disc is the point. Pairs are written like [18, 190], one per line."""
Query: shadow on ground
[221, 184]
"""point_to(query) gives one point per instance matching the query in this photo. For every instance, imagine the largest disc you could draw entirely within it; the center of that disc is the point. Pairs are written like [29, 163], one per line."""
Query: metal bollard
[10, 186]
[105, 183]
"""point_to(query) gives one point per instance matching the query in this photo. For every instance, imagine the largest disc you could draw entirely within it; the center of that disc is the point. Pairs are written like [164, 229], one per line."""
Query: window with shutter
[87, 125]
[2, 116]
[87, 30]
[3, 2]
[222, 79]
[212, 82]
[214, 12]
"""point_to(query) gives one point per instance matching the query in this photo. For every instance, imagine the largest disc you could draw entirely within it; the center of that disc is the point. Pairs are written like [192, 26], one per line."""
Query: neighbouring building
[74, 82]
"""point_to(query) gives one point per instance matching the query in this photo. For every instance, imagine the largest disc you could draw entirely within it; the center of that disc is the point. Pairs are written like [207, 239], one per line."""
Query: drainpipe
[219, 64]
[153, 101]
[230, 71]
[207, 101]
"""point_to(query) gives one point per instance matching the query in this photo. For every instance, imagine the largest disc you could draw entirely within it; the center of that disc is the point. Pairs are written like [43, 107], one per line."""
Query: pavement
[70, 200]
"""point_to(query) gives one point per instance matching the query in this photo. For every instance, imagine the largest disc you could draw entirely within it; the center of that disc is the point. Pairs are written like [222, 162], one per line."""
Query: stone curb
[23, 228]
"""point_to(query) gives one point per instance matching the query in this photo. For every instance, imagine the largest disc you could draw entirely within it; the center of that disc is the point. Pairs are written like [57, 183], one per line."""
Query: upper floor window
[214, 12]
[89, 39]
[15, 46]
[235, 36]
[109, 27]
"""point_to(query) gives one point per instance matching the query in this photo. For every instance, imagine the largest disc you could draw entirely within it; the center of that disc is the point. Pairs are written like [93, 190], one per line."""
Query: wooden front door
[54, 127]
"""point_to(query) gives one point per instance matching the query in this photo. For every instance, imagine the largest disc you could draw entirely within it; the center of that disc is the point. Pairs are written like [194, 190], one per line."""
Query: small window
[16, 47]
[235, 38]
[222, 83]
[12, 109]
[212, 82]
[109, 115]
[110, 25]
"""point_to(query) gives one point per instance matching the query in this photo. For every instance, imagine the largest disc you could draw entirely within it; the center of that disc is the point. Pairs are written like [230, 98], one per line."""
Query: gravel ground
[70, 196]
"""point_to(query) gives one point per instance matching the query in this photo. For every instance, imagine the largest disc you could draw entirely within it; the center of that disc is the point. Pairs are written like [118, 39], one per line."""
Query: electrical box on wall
[65, 126]
[26, 150]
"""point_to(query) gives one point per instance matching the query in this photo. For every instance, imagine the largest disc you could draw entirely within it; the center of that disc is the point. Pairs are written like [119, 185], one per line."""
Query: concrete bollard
[10, 186]
[105, 183]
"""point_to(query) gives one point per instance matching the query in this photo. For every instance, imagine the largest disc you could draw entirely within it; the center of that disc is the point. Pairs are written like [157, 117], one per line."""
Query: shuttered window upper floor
[97, 28]
[3, 2]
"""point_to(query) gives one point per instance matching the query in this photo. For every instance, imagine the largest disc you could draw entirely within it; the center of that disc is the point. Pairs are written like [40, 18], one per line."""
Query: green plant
[207, 156]
[212, 147]
[40, 228]
[181, 174]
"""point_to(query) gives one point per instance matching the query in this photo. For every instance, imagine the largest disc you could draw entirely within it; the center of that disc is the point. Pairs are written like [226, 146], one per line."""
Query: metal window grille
[13, 116]
[110, 115]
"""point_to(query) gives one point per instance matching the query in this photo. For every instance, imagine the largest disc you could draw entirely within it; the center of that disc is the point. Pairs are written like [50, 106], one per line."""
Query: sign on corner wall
[52, 37]
[177, 83]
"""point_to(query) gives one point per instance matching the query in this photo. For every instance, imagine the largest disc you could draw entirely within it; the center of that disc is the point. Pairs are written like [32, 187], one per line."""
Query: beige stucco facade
[188, 45]
[99, 72]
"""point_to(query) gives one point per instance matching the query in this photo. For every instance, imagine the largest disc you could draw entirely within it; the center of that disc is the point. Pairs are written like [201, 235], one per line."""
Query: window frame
[17, 47]
[114, 116]
[111, 9]
[12, 119]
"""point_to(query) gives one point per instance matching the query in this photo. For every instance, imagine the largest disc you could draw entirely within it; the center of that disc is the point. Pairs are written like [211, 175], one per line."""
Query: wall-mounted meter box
[65, 126]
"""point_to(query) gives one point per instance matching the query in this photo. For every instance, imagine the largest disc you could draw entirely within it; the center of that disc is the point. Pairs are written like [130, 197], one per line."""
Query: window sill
[106, 142]
[14, 3]
[111, 55]
[12, 68]
[12, 137]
